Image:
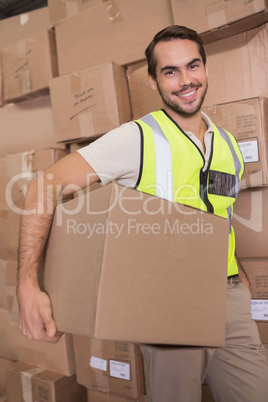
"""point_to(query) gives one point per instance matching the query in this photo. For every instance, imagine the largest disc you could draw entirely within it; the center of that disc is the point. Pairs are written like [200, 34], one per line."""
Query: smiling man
[175, 153]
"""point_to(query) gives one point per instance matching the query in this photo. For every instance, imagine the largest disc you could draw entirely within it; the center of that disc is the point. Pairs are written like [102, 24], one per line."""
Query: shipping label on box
[259, 309]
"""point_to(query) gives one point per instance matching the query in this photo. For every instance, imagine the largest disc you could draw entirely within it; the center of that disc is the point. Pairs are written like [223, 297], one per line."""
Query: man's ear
[152, 83]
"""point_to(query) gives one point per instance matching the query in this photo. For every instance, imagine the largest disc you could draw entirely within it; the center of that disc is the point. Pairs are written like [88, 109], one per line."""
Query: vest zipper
[203, 175]
[204, 181]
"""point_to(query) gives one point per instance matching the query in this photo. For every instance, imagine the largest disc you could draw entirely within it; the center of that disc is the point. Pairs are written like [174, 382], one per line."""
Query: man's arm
[35, 308]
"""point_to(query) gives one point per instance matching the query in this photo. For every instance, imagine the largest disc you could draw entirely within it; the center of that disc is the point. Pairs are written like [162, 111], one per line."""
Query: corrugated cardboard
[215, 20]
[133, 275]
[263, 331]
[20, 169]
[247, 120]
[250, 222]
[98, 396]
[59, 9]
[14, 345]
[23, 25]
[27, 125]
[89, 103]
[28, 65]
[143, 99]
[29, 383]
[117, 31]
[257, 273]
[4, 365]
[236, 67]
[8, 279]
[107, 366]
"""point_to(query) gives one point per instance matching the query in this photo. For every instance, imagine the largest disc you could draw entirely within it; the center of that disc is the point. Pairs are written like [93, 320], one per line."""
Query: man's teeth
[189, 94]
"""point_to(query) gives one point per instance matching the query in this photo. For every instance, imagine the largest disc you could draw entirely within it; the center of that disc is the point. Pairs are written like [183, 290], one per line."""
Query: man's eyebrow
[168, 68]
[196, 59]
[175, 68]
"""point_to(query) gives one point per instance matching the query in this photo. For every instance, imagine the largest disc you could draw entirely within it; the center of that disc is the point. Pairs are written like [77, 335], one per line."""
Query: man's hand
[36, 319]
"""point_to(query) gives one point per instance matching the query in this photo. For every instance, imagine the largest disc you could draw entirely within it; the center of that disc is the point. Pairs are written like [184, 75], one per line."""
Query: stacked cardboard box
[111, 367]
[29, 383]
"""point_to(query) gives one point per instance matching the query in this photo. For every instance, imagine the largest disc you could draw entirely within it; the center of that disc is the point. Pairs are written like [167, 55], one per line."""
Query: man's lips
[189, 94]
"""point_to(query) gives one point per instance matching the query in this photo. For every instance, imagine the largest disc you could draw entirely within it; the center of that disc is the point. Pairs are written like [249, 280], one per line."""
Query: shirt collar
[208, 122]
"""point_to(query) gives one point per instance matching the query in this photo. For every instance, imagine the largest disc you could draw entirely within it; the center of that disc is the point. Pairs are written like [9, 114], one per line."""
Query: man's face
[181, 77]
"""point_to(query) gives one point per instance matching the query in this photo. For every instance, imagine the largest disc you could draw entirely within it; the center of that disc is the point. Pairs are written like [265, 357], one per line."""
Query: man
[204, 161]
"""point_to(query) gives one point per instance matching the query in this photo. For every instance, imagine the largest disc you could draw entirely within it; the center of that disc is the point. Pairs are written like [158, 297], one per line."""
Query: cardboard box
[107, 366]
[29, 383]
[27, 125]
[115, 293]
[256, 270]
[20, 169]
[8, 279]
[23, 25]
[98, 396]
[247, 120]
[250, 222]
[14, 345]
[89, 103]
[122, 30]
[59, 9]
[143, 99]
[28, 65]
[216, 20]
[263, 331]
[4, 365]
[234, 61]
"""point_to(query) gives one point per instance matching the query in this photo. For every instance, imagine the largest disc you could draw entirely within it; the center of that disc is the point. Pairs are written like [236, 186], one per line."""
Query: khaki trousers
[237, 372]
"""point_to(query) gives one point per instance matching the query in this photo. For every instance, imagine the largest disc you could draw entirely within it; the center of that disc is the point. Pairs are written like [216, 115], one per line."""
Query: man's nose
[184, 79]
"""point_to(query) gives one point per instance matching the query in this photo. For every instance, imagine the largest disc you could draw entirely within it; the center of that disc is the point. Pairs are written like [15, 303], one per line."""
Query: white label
[259, 309]
[120, 370]
[98, 363]
[24, 18]
[249, 150]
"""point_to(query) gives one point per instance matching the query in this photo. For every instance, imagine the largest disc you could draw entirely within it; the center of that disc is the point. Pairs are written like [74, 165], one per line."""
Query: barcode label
[249, 150]
[259, 309]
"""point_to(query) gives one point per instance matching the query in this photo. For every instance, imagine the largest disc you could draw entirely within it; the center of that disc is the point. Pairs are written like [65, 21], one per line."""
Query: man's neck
[193, 123]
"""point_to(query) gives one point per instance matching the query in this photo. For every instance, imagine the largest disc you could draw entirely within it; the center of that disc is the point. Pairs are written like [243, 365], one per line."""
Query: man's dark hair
[167, 34]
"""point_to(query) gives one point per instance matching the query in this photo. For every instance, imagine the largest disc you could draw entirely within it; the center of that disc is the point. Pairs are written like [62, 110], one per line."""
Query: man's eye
[170, 72]
[193, 66]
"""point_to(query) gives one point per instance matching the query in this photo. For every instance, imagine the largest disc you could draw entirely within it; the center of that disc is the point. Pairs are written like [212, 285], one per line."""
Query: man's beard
[177, 108]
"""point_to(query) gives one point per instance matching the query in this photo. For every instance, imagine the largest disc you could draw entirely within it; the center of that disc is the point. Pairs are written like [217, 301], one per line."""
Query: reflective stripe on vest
[164, 175]
[237, 163]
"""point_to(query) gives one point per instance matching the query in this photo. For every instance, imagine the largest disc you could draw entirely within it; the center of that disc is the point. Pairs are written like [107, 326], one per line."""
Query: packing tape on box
[24, 18]
[26, 382]
[216, 15]
[113, 10]
[71, 7]
[27, 161]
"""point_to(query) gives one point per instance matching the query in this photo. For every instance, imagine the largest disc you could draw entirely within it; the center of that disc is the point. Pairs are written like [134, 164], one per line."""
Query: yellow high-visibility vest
[172, 167]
